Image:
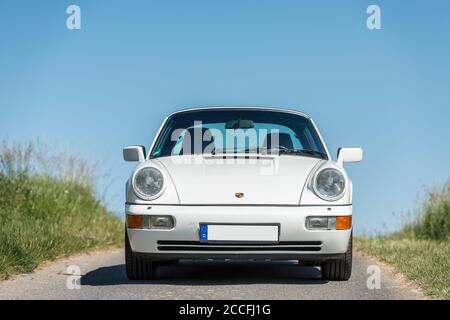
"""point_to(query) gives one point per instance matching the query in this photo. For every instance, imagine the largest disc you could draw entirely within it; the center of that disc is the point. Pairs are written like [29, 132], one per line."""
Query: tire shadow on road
[197, 273]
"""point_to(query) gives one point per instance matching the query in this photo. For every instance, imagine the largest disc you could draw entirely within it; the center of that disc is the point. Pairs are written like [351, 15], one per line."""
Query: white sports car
[239, 183]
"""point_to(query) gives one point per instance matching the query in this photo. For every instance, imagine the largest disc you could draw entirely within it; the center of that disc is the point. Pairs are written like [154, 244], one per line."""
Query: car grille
[170, 245]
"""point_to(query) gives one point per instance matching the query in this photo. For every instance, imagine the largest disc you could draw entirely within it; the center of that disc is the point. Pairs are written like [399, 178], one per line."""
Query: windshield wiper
[283, 150]
[279, 150]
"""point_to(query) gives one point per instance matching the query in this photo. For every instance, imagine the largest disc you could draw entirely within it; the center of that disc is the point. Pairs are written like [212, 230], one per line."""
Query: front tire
[339, 270]
[137, 268]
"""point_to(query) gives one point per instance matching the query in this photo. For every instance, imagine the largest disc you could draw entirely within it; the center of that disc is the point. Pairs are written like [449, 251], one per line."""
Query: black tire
[137, 268]
[338, 270]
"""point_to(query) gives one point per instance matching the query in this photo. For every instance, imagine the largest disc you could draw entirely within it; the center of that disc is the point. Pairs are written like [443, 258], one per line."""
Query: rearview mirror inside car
[239, 124]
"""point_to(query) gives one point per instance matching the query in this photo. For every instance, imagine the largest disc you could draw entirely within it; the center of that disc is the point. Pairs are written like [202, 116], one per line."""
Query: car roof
[216, 108]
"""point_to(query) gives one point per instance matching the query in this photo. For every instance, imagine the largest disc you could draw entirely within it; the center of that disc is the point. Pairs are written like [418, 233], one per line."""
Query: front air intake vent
[304, 246]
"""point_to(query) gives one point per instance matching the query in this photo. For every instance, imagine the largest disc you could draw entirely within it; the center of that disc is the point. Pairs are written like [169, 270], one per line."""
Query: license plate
[224, 232]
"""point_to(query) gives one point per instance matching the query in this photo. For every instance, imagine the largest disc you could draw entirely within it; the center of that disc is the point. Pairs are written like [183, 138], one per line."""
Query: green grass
[424, 262]
[48, 209]
[421, 249]
[433, 219]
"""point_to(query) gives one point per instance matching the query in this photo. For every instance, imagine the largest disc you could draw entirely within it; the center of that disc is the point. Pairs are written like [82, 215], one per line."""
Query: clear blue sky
[111, 83]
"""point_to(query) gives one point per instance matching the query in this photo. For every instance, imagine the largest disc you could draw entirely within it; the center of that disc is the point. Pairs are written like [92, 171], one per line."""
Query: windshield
[238, 131]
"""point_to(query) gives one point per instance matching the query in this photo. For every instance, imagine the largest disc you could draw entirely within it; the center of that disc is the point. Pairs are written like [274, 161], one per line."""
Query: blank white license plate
[223, 232]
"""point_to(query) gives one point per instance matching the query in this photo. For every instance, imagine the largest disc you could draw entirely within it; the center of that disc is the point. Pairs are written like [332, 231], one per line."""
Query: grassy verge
[425, 262]
[48, 209]
[421, 250]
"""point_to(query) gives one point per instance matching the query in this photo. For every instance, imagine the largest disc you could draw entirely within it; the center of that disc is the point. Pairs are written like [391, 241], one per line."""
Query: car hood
[262, 180]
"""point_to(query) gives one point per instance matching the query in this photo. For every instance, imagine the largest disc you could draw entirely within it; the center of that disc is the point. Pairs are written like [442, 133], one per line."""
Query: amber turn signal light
[343, 222]
[135, 221]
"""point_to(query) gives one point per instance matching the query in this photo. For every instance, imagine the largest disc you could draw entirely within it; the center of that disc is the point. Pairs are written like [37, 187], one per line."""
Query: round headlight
[329, 184]
[148, 183]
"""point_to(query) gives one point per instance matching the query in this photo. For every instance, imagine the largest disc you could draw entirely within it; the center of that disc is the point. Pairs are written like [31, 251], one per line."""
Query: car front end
[287, 234]
[280, 199]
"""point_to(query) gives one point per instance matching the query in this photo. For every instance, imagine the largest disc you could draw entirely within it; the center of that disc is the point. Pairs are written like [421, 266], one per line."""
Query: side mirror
[134, 153]
[349, 155]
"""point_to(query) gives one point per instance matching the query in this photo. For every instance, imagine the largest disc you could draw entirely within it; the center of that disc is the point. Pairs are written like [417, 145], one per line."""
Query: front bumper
[295, 241]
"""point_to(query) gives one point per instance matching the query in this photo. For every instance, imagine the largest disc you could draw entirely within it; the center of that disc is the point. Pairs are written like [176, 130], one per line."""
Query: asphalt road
[103, 277]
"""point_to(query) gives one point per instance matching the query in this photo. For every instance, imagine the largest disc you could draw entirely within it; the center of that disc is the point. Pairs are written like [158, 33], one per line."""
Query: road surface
[103, 277]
